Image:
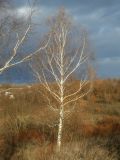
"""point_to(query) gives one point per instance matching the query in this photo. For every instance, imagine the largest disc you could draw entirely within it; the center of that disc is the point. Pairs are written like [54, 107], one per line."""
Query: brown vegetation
[28, 126]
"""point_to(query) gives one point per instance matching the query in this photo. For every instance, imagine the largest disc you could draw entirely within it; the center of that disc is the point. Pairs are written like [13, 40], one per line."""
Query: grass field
[28, 127]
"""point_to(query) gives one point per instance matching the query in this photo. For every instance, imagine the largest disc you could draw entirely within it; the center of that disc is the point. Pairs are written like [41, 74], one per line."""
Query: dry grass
[28, 128]
[71, 151]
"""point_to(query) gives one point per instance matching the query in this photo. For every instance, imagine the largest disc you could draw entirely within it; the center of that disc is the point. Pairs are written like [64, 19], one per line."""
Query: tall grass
[28, 129]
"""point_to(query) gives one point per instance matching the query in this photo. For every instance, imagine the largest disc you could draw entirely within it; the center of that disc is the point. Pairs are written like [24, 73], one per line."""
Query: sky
[101, 18]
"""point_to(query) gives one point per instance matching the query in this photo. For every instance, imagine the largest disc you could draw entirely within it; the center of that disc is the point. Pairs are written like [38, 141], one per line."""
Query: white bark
[60, 128]
[20, 40]
[55, 63]
[61, 116]
[9, 63]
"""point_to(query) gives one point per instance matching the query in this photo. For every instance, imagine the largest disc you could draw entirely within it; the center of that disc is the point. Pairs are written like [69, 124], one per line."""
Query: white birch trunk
[60, 128]
[61, 112]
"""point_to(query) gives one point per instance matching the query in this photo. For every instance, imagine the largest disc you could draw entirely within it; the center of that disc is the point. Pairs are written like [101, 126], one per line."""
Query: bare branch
[56, 61]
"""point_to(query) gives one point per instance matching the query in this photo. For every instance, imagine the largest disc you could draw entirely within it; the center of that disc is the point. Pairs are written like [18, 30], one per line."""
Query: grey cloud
[109, 67]
[71, 3]
[100, 17]
[109, 60]
[85, 4]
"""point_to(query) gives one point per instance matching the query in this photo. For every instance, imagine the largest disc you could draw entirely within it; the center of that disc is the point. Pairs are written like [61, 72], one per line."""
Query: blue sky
[101, 18]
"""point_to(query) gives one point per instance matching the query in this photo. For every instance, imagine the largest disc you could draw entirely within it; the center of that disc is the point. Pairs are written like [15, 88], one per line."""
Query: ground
[28, 127]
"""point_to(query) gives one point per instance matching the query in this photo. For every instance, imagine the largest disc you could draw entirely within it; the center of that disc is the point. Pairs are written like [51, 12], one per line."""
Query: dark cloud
[87, 3]
[109, 67]
[101, 18]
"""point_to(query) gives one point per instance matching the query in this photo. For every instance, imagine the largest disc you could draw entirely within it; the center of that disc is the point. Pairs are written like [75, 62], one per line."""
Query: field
[28, 127]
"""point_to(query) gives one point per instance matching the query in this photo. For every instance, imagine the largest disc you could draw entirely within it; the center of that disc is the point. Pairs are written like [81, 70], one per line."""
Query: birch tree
[14, 32]
[66, 55]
